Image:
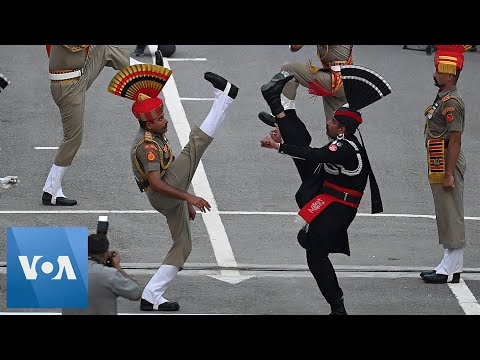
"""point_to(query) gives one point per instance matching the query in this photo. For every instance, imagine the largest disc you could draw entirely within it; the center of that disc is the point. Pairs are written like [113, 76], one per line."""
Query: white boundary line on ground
[221, 212]
[465, 298]
[218, 236]
[186, 59]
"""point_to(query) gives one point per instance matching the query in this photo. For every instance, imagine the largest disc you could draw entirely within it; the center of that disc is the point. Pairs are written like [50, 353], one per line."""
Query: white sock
[134, 62]
[158, 284]
[451, 263]
[53, 184]
[287, 103]
[217, 113]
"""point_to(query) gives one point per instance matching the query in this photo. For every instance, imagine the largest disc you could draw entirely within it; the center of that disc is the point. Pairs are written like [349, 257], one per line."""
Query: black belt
[341, 195]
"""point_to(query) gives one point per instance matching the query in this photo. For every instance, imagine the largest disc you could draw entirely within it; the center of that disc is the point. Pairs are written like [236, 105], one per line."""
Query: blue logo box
[47, 267]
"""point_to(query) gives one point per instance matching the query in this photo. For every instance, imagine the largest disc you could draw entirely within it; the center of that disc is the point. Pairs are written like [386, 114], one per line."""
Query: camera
[102, 229]
[102, 225]
[110, 258]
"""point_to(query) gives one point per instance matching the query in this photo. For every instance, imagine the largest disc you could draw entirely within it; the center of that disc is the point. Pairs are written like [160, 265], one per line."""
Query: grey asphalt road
[245, 257]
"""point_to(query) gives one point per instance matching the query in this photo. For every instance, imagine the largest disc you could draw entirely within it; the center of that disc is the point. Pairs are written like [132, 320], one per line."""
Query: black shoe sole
[47, 200]
[442, 280]
[168, 306]
[267, 118]
[220, 83]
[431, 272]
[279, 80]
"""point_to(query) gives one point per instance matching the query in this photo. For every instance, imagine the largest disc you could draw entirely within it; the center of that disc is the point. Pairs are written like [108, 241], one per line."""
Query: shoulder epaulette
[148, 136]
[456, 98]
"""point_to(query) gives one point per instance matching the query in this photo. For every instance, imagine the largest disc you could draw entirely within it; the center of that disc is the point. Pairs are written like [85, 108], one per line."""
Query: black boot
[167, 50]
[267, 118]
[59, 201]
[338, 308]
[272, 90]
[220, 83]
[139, 50]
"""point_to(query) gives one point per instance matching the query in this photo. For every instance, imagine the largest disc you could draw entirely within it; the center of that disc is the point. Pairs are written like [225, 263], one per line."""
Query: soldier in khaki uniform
[444, 125]
[325, 81]
[72, 70]
[166, 179]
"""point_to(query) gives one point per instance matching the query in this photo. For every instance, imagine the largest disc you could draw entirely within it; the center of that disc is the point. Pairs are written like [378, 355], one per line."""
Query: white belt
[66, 76]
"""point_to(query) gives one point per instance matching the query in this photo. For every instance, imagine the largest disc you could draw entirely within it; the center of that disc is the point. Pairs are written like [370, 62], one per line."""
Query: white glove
[8, 182]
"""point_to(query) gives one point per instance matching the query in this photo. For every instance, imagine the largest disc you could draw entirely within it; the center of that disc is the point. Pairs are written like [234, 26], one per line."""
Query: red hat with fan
[449, 58]
[141, 83]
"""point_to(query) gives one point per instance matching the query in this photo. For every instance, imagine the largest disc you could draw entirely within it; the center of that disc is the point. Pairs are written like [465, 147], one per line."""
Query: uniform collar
[446, 92]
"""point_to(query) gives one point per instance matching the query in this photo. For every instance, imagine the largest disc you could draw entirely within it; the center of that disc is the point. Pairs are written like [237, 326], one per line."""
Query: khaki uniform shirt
[63, 58]
[149, 155]
[329, 53]
[446, 114]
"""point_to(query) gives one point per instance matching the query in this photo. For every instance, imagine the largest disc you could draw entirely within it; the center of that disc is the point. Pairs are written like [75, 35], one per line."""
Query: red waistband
[345, 190]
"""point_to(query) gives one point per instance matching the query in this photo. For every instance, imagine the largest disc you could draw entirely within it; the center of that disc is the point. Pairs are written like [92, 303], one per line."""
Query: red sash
[320, 202]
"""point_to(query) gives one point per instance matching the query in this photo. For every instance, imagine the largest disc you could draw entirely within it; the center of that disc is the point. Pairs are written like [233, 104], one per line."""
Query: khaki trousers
[303, 76]
[70, 97]
[449, 209]
[180, 175]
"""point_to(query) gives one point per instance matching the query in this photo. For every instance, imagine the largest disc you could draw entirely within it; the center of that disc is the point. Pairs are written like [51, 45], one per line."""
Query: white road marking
[46, 147]
[197, 99]
[465, 297]
[216, 231]
[221, 212]
[186, 59]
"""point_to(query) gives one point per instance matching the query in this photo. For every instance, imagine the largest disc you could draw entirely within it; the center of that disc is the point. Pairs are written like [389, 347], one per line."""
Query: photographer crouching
[106, 279]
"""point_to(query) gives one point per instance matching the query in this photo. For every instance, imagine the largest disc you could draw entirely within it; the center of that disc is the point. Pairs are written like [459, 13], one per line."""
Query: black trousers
[322, 270]
[295, 132]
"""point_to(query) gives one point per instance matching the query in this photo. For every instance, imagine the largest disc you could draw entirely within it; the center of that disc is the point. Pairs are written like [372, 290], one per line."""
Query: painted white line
[186, 59]
[218, 236]
[197, 99]
[139, 313]
[46, 147]
[465, 298]
[221, 212]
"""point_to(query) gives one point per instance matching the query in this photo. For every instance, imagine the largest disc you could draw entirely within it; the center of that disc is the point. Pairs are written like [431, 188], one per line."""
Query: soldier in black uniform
[333, 177]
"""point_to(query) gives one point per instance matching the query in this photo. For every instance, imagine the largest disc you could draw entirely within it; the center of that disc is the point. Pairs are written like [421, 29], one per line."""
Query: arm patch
[151, 156]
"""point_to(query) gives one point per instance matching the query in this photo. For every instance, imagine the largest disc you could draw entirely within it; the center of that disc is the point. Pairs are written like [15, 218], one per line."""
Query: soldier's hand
[191, 212]
[276, 135]
[269, 143]
[448, 182]
[115, 258]
[8, 182]
[200, 203]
